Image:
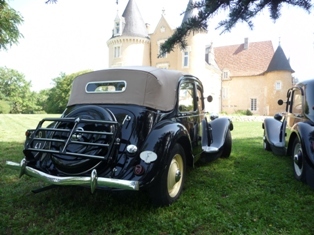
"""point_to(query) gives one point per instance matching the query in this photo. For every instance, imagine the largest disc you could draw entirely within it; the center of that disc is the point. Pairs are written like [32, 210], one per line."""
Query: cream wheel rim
[175, 174]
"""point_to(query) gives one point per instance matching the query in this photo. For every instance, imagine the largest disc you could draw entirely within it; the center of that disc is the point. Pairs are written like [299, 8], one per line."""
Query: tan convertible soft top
[146, 86]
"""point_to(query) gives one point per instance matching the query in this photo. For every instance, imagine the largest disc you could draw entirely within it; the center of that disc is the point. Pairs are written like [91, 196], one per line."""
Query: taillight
[139, 170]
[28, 133]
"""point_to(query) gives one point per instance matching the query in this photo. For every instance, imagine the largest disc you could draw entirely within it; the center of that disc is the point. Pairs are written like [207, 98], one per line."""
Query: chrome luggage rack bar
[41, 138]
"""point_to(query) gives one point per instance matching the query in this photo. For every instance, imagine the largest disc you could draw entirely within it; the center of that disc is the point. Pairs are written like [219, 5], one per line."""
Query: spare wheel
[70, 164]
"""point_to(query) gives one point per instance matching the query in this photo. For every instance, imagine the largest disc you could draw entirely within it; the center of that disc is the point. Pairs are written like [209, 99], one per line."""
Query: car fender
[305, 132]
[160, 141]
[219, 126]
[274, 135]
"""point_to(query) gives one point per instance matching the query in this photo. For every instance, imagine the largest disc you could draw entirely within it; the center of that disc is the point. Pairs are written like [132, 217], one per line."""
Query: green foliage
[239, 11]
[9, 21]
[42, 97]
[15, 90]
[57, 97]
[4, 106]
[244, 112]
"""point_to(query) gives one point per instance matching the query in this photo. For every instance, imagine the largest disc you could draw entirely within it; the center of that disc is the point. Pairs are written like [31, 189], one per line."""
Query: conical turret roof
[134, 23]
[279, 62]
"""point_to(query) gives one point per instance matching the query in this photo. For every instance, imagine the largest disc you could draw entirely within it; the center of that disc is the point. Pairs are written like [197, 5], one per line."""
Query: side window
[297, 102]
[289, 100]
[186, 97]
[200, 99]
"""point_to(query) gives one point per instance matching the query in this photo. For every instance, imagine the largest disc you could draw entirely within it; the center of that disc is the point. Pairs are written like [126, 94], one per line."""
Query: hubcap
[297, 160]
[177, 176]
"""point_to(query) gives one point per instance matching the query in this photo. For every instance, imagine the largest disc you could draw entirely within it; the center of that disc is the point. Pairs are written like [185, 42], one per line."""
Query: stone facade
[249, 76]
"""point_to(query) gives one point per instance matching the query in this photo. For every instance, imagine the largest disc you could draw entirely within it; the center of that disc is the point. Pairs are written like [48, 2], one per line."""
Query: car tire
[266, 144]
[78, 165]
[298, 161]
[226, 149]
[168, 187]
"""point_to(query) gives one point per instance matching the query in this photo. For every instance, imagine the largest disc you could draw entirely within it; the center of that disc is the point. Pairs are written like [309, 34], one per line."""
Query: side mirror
[280, 102]
[209, 98]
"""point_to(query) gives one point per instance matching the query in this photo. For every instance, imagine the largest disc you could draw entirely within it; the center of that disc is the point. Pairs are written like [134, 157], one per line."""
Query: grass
[252, 192]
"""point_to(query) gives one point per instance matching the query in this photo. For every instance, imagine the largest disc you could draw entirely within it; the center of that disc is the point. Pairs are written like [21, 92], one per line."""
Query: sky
[72, 35]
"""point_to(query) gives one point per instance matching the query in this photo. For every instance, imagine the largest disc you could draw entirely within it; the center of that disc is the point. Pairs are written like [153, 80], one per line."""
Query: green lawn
[252, 192]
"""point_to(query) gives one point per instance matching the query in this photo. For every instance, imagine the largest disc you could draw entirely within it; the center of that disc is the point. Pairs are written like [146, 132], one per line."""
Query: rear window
[105, 87]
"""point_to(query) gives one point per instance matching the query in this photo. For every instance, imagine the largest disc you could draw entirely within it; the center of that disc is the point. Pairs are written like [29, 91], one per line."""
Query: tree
[9, 21]
[16, 91]
[239, 11]
[58, 95]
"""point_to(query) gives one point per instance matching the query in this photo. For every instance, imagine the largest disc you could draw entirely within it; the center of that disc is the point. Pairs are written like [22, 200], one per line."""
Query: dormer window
[225, 74]
[117, 28]
[118, 25]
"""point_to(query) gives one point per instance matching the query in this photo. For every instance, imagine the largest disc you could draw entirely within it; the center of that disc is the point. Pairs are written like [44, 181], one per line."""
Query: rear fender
[220, 126]
[305, 131]
[160, 141]
[275, 135]
[218, 132]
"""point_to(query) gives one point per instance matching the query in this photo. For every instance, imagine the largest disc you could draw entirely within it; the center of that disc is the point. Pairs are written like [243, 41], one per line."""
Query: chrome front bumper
[93, 181]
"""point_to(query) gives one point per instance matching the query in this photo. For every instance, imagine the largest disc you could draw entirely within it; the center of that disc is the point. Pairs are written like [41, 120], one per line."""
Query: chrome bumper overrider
[93, 181]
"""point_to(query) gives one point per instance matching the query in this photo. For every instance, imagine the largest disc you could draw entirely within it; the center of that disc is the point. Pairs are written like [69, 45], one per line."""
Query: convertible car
[292, 132]
[129, 128]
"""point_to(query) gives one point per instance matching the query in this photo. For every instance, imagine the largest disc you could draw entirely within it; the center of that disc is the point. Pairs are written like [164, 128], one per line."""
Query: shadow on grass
[224, 196]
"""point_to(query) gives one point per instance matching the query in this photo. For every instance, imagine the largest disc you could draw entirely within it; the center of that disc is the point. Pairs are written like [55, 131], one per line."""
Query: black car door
[294, 109]
[191, 105]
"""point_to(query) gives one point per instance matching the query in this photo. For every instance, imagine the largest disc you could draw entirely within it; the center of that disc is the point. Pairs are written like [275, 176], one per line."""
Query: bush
[244, 112]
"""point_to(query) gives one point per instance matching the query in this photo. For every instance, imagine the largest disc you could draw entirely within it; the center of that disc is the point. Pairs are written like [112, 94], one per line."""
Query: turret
[130, 43]
[193, 56]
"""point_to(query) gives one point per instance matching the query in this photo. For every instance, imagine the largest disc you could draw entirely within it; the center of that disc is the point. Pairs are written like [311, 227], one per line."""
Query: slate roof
[279, 62]
[245, 62]
[134, 23]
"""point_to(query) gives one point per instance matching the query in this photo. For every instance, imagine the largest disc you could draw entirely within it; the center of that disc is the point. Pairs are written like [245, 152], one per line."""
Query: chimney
[246, 44]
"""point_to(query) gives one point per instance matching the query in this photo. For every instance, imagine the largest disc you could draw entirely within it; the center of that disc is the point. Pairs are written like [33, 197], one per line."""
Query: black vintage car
[292, 132]
[129, 128]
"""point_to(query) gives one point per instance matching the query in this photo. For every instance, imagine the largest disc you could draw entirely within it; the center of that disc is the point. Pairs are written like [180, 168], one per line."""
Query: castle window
[225, 74]
[224, 92]
[185, 58]
[253, 104]
[117, 51]
[278, 85]
[162, 29]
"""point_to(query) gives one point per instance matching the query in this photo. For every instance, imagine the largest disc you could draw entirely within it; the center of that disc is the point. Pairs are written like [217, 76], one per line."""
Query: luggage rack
[102, 135]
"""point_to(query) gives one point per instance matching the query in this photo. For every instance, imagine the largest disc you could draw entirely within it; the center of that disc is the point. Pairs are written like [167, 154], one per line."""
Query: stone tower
[196, 45]
[130, 43]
